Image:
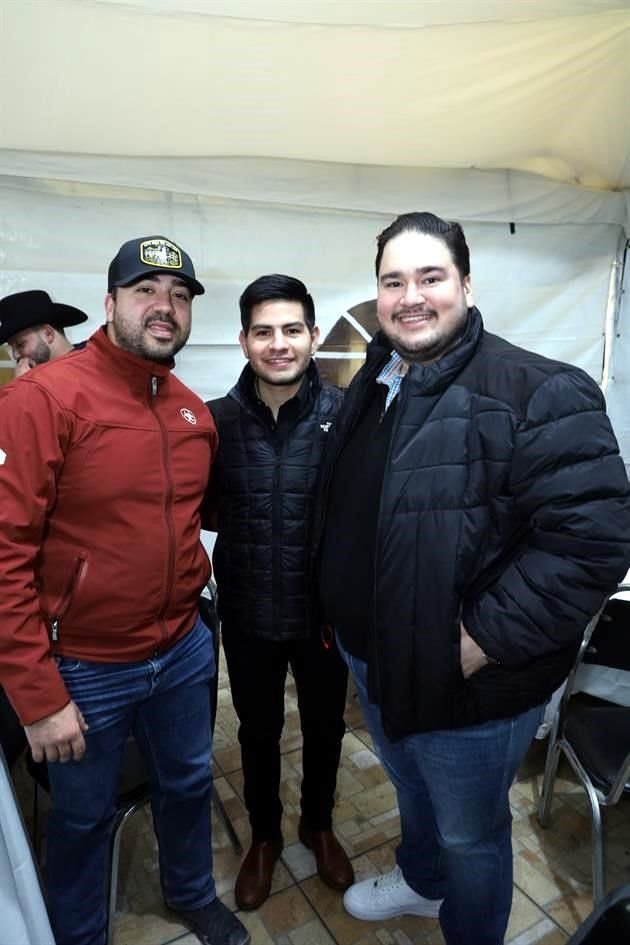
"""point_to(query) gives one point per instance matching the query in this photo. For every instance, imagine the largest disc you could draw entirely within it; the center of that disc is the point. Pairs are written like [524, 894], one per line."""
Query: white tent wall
[24, 918]
[531, 85]
[618, 391]
[283, 135]
[544, 286]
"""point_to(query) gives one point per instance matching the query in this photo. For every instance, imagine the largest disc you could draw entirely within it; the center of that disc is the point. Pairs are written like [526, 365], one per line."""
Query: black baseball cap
[150, 255]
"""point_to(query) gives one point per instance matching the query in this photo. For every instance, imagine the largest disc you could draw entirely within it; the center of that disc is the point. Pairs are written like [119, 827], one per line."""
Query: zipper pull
[154, 386]
[54, 627]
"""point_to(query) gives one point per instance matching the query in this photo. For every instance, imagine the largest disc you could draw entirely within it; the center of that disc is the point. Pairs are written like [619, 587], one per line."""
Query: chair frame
[597, 798]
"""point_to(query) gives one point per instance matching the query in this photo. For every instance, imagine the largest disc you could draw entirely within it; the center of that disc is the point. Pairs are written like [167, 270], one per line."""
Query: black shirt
[349, 539]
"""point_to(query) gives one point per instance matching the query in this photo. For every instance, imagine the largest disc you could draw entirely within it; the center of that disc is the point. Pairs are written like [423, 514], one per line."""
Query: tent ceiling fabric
[389, 13]
[457, 85]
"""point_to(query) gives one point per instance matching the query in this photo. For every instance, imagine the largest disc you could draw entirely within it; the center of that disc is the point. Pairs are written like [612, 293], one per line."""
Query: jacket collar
[244, 391]
[122, 362]
[432, 378]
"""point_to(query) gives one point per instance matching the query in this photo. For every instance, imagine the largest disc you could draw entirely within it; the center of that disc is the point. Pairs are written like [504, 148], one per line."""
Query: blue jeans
[165, 702]
[456, 826]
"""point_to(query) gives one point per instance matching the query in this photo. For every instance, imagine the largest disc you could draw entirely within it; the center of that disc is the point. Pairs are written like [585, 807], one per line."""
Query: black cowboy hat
[27, 309]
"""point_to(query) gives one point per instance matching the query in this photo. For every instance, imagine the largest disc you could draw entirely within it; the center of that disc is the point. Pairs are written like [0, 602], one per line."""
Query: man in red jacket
[104, 458]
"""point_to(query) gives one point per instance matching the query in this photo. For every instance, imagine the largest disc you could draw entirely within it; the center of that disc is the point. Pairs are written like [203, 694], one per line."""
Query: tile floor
[552, 891]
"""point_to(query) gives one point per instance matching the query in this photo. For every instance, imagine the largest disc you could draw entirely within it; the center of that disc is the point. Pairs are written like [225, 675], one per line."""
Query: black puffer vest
[265, 506]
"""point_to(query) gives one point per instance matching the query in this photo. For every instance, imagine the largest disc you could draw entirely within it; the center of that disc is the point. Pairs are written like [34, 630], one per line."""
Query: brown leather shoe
[333, 865]
[253, 883]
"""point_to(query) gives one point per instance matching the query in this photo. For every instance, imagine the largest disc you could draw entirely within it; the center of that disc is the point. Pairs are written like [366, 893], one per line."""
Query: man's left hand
[23, 365]
[472, 658]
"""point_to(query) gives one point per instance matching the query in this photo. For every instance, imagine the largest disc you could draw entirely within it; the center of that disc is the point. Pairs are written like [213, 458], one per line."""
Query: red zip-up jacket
[104, 460]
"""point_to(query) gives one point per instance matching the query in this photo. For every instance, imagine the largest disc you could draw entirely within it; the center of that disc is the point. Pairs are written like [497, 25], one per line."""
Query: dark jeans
[456, 824]
[258, 670]
[165, 702]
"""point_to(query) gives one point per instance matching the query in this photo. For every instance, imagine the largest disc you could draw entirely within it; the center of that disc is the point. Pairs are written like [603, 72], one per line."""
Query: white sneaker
[387, 896]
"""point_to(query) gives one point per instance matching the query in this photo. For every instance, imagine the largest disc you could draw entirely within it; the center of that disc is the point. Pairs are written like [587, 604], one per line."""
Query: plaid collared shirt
[392, 377]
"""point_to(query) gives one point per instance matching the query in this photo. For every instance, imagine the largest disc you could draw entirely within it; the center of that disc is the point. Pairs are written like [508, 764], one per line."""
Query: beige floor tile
[311, 933]
[570, 910]
[551, 866]
[256, 928]
[544, 932]
[286, 910]
[525, 913]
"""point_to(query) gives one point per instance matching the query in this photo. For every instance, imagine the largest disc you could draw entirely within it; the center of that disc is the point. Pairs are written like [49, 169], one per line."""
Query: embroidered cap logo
[161, 253]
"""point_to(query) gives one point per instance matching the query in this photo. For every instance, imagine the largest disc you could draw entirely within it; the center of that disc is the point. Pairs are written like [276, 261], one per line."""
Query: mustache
[163, 320]
[414, 311]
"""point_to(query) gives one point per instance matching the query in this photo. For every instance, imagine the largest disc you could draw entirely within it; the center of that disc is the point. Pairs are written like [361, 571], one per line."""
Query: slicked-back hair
[448, 231]
[276, 288]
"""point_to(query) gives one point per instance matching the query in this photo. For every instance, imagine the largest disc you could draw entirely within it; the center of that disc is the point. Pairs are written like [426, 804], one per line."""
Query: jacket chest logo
[326, 426]
[188, 415]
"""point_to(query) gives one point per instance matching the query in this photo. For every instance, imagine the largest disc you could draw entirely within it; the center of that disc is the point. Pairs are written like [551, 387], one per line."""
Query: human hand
[23, 365]
[58, 737]
[472, 658]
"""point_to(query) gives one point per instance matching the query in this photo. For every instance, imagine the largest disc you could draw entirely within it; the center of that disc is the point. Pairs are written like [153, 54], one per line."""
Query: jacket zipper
[74, 580]
[168, 514]
[398, 404]
[341, 437]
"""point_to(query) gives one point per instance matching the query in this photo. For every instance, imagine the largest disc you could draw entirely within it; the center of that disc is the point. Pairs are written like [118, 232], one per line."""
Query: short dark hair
[448, 231]
[272, 288]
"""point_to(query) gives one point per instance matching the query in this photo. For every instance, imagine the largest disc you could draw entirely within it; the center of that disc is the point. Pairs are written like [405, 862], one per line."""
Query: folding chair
[593, 734]
[608, 923]
[12, 737]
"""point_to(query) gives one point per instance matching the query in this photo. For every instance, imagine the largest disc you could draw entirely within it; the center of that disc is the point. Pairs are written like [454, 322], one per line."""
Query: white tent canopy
[521, 84]
[282, 135]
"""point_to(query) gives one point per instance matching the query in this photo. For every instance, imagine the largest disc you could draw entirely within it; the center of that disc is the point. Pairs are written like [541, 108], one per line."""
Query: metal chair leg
[114, 860]
[597, 851]
[549, 778]
[225, 817]
[36, 843]
[597, 847]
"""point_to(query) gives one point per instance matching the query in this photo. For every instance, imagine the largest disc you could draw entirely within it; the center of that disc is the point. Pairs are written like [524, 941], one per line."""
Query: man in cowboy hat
[33, 327]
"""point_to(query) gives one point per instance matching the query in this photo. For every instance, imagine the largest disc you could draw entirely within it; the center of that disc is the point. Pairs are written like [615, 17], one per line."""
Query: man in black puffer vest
[272, 429]
[476, 513]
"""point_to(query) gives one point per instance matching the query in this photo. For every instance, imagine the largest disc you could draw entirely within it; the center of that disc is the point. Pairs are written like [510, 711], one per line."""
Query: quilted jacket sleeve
[570, 487]
[33, 430]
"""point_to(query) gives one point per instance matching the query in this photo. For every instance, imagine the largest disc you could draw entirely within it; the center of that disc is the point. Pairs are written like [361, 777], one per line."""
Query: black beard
[431, 352]
[142, 351]
[41, 354]
[420, 356]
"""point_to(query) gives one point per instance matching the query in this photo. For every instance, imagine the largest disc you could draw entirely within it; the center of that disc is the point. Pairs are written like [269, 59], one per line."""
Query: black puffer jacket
[505, 504]
[264, 495]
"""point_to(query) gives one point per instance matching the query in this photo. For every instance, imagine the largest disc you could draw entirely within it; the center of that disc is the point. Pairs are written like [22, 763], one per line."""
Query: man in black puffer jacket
[272, 429]
[476, 513]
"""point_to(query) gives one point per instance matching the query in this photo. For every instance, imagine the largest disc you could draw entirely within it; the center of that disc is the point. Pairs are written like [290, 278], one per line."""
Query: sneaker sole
[428, 912]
